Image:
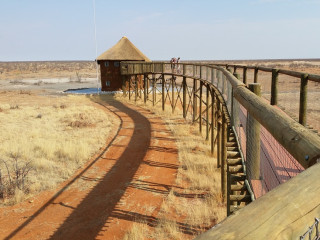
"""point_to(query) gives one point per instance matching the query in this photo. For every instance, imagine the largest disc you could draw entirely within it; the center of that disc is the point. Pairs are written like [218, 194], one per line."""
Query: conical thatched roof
[123, 50]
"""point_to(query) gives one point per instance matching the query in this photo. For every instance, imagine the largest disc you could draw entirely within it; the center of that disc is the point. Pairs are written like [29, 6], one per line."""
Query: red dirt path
[125, 182]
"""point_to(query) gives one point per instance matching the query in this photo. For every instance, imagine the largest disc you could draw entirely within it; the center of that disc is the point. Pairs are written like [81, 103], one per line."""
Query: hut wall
[110, 75]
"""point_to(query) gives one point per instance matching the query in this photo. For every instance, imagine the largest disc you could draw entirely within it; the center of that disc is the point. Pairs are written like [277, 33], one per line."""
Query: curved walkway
[127, 181]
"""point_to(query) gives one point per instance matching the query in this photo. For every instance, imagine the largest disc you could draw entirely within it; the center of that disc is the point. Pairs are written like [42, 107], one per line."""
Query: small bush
[16, 176]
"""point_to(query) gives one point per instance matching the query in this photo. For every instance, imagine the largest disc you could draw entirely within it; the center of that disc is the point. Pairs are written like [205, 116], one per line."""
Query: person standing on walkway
[178, 65]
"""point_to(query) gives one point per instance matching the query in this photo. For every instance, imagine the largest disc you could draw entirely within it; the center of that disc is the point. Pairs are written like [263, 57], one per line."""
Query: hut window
[106, 64]
[107, 83]
[116, 64]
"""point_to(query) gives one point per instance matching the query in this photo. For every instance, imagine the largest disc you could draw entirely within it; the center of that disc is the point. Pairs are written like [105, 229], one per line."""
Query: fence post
[184, 89]
[303, 100]
[172, 92]
[219, 136]
[145, 88]
[200, 107]
[136, 87]
[253, 140]
[234, 70]
[256, 69]
[274, 87]
[212, 120]
[153, 89]
[163, 91]
[194, 100]
[245, 75]
[207, 113]
[224, 156]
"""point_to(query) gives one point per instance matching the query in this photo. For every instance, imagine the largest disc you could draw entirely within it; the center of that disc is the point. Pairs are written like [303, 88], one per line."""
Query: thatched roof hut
[109, 62]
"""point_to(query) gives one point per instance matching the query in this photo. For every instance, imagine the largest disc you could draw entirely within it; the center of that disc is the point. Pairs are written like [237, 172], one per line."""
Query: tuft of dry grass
[195, 203]
[55, 140]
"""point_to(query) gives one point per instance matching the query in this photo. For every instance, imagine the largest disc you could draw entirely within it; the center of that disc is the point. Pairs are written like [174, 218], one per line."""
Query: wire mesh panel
[289, 95]
[275, 166]
[265, 78]
[313, 105]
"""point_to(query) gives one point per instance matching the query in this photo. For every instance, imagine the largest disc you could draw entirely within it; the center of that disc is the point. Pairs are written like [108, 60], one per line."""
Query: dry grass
[56, 135]
[75, 70]
[194, 204]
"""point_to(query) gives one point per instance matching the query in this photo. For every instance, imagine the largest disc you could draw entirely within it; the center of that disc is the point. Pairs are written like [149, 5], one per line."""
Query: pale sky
[191, 29]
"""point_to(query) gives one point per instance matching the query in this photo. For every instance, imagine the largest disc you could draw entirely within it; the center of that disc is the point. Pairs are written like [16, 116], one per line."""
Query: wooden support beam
[274, 87]
[207, 112]
[213, 119]
[256, 69]
[224, 158]
[200, 108]
[136, 88]
[253, 140]
[163, 82]
[219, 131]
[172, 92]
[184, 96]
[153, 90]
[195, 107]
[303, 100]
[245, 75]
[145, 87]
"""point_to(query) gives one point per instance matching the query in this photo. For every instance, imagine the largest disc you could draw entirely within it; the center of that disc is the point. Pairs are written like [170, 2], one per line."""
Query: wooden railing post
[207, 112]
[303, 100]
[136, 88]
[184, 89]
[200, 108]
[256, 69]
[245, 75]
[234, 70]
[253, 140]
[195, 107]
[224, 157]
[219, 135]
[153, 89]
[145, 85]
[163, 82]
[213, 119]
[172, 92]
[274, 87]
